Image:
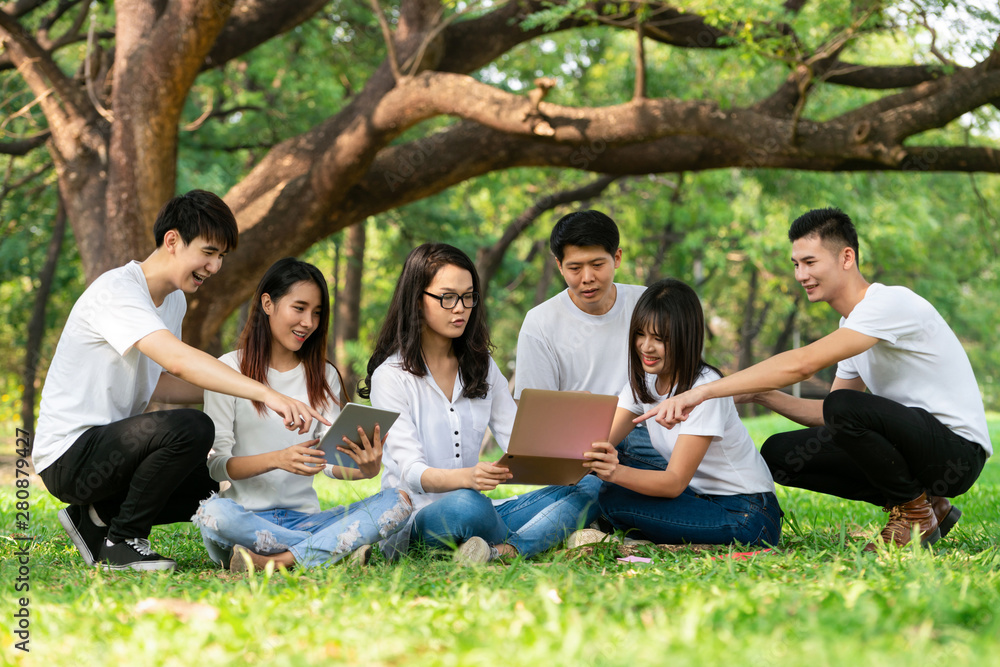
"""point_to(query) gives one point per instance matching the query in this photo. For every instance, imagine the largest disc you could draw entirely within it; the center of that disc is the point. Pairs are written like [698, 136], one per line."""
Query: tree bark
[349, 304]
[36, 325]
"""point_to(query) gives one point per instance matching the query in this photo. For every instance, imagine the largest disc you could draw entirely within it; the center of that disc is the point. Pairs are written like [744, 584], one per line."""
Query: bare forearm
[203, 370]
[779, 371]
[808, 412]
[440, 480]
[171, 389]
[244, 467]
[654, 483]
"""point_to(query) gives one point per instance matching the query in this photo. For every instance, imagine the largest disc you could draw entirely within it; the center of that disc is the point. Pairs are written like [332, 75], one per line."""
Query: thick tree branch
[471, 44]
[253, 22]
[19, 8]
[884, 77]
[23, 146]
[41, 74]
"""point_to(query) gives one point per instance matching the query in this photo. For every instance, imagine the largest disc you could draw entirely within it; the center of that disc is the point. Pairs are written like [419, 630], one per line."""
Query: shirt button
[457, 456]
[456, 444]
[456, 432]
[452, 409]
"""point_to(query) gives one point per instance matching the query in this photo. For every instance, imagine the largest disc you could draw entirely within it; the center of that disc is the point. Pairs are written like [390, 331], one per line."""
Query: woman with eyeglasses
[432, 364]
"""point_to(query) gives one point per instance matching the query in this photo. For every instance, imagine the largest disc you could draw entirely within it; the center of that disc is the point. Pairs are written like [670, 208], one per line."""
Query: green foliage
[936, 233]
[818, 601]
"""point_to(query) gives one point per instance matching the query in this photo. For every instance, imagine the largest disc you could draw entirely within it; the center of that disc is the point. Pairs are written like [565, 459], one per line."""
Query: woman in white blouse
[432, 364]
[270, 511]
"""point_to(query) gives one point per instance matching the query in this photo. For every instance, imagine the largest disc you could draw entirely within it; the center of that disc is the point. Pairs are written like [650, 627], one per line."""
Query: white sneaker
[587, 536]
[475, 551]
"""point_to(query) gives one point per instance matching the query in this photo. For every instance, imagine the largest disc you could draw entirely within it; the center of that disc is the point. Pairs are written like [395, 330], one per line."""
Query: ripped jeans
[321, 538]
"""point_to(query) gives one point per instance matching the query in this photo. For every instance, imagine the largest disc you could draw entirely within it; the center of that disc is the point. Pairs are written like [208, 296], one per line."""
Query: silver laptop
[551, 432]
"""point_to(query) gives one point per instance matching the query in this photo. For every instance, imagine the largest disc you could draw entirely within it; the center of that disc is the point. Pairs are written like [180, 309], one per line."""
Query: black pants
[140, 472]
[876, 450]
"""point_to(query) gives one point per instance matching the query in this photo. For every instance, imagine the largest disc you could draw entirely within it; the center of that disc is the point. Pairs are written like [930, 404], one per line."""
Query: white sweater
[241, 431]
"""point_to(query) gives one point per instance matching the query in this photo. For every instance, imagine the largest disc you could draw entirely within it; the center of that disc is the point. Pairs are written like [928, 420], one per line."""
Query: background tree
[314, 116]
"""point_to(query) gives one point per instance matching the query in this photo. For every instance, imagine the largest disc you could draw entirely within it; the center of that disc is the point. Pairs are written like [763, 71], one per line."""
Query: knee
[202, 428]
[196, 429]
[590, 486]
[465, 503]
[838, 404]
[787, 454]
[774, 451]
[211, 514]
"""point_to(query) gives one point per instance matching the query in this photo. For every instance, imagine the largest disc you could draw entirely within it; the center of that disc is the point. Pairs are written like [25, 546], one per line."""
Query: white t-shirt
[732, 464]
[241, 431]
[434, 431]
[918, 361]
[97, 376]
[560, 347]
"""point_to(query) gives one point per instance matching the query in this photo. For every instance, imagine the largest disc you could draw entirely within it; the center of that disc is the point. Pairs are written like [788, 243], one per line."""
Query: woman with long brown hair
[432, 364]
[271, 506]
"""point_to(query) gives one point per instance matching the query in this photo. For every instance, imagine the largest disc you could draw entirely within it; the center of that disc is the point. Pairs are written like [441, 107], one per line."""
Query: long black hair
[403, 324]
[255, 341]
[672, 310]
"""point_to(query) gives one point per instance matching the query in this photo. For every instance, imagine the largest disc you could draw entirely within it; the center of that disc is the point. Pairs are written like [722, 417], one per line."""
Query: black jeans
[876, 450]
[139, 472]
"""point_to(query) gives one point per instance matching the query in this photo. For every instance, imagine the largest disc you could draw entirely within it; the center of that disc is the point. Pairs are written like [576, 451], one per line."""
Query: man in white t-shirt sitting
[120, 470]
[578, 339]
[918, 438]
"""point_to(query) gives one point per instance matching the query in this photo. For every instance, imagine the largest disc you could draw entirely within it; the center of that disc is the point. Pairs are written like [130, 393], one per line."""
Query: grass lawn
[817, 601]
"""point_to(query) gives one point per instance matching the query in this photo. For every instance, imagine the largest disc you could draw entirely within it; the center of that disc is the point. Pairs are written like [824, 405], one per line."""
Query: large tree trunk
[36, 326]
[348, 322]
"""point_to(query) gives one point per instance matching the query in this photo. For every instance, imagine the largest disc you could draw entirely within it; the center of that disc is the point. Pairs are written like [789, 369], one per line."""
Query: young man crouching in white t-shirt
[918, 438]
[122, 471]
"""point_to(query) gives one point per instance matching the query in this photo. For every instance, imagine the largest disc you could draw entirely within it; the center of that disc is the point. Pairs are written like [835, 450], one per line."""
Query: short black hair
[833, 226]
[584, 228]
[197, 213]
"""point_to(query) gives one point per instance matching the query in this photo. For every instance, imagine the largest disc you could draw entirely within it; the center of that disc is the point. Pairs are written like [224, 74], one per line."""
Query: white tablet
[350, 418]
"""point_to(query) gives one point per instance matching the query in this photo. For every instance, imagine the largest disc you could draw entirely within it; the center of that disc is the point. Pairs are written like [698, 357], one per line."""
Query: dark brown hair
[672, 310]
[403, 325]
[255, 341]
[197, 213]
[833, 226]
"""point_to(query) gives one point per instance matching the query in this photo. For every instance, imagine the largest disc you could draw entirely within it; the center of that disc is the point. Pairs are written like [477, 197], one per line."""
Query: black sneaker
[134, 554]
[87, 536]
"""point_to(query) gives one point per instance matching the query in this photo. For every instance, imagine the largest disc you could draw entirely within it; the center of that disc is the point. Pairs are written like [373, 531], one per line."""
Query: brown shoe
[946, 513]
[902, 519]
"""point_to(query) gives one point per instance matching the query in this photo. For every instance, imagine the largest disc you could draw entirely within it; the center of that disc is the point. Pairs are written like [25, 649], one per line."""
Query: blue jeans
[314, 539]
[530, 523]
[636, 451]
[692, 518]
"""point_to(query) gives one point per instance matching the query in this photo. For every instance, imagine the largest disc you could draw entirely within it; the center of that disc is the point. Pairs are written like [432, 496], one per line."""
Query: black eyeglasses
[449, 300]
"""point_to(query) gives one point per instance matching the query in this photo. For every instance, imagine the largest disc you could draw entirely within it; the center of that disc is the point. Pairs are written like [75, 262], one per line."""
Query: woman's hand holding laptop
[602, 460]
[485, 476]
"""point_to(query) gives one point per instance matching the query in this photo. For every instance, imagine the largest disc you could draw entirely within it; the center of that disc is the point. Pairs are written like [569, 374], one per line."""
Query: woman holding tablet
[716, 488]
[432, 364]
[270, 512]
